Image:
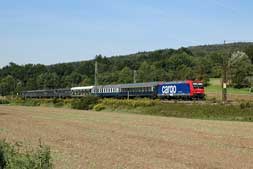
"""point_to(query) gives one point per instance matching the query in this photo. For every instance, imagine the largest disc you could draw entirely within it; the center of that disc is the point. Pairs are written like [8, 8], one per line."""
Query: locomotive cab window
[198, 85]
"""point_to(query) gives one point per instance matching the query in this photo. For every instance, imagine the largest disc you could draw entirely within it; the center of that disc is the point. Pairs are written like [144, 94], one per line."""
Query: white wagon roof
[82, 88]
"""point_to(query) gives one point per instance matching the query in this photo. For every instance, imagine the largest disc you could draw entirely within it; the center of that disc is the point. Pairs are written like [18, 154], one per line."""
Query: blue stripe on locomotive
[173, 89]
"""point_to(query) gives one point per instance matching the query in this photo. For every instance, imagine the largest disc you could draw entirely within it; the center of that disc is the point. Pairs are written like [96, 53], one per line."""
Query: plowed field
[104, 140]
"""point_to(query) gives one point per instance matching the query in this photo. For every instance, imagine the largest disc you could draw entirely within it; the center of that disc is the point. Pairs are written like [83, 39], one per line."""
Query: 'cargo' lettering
[172, 89]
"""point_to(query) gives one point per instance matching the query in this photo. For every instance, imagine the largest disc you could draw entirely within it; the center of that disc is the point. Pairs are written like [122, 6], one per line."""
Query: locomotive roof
[82, 88]
[134, 85]
[47, 90]
[172, 82]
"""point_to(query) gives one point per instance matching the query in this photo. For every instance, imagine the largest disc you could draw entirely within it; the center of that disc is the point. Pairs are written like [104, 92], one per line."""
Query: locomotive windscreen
[198, 85]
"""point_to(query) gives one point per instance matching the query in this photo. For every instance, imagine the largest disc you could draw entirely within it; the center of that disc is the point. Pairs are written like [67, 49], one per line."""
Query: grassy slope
[205, 112]
[215, 87]
[242, 112]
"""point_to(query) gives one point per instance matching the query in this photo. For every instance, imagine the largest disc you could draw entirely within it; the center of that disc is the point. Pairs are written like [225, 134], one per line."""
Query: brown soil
[103, 140]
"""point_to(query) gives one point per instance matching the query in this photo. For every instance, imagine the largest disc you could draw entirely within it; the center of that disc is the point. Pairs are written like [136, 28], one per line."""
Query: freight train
[164, 90]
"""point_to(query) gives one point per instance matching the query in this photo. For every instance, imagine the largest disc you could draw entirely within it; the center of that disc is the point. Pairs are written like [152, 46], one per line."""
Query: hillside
[241, 46]
[199, 62]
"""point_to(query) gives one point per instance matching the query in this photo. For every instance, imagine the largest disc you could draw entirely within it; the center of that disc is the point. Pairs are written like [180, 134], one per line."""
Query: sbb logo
[169, 89]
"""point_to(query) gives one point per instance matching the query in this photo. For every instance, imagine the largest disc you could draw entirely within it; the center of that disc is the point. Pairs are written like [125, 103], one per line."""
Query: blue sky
[56, 31]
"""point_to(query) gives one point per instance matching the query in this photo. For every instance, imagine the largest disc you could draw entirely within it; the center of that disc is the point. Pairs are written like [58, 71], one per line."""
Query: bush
[245, 105]
[115, 103]
[68, 102]
[58, 102]
[32, 102]
[242, 106]
[213, 100]
[85, 103]
[4, 101]
[99, 107]
[248, 105]
[11, 157]
[42, 102]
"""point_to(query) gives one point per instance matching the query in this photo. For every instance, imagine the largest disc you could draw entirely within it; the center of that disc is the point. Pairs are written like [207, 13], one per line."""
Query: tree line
[201, 62]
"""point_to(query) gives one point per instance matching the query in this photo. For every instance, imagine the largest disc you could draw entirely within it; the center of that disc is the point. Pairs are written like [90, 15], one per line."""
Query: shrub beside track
[239, 112]
[205, 110]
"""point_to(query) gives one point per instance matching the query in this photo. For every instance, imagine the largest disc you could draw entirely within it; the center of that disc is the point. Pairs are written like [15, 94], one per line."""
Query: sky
[57, 31]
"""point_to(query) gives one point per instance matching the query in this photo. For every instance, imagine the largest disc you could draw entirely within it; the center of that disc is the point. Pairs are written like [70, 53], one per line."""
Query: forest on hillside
[200, 62]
